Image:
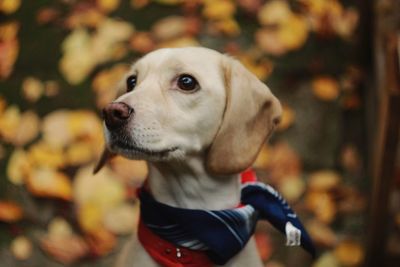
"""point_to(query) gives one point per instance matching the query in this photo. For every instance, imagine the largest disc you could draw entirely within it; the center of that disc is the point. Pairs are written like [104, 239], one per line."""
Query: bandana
[218, 234]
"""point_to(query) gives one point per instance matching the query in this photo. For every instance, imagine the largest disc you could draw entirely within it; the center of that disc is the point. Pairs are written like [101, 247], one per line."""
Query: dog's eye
[187, 83]
[130, 83]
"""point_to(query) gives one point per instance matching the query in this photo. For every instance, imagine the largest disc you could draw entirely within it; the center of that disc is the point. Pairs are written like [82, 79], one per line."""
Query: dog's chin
[133, 151]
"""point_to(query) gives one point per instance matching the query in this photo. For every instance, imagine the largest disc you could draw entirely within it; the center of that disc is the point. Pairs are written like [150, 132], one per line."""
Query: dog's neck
[188, 185]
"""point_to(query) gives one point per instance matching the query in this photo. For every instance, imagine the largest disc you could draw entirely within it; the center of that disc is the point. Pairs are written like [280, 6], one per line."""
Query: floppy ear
[251, 114]
[105, 156]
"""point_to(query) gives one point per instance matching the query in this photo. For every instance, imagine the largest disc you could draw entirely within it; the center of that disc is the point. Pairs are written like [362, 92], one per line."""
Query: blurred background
[334, 64]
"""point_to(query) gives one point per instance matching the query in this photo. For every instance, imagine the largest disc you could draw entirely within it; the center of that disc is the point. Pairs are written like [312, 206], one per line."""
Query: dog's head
[188, 101]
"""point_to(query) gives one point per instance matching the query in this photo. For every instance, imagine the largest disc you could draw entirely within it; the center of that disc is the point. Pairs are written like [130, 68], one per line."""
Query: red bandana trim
[167, 254]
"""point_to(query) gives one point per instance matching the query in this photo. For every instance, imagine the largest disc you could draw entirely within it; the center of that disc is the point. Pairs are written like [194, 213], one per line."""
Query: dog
[199, 118]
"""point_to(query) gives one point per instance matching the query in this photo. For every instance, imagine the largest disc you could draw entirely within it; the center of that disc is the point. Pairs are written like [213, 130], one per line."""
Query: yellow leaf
[79, 153]
[261, 69]
[108, 5]
[28, 129]
[9, 122]
[44, 182]
[77, 61]
[10, 212]
[101, 188]
[55, 128]
[132, 172]
[274, 12]
[169, 2]
[18, 167]
[227, 26]
[325, 88]
[106, 84]
[90, 216]
[292, 187]
[349, 253]
[21, 248]
[218, 9]
[324, 180]
[32, 89]
[101, 241]
[122, 219]
[169, 27]
[66, 250]
[293, 33]
[180, 42]
[44, 154]
[9, 31]
[9, 6]
[268, 41]
[59, 228]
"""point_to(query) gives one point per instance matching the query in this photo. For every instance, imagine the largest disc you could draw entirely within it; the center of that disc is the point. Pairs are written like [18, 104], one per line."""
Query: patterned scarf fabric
[221, 234]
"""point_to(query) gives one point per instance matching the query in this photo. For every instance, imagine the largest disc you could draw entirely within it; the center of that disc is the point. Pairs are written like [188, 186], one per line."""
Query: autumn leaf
[10, 212]
[45, 182]
[21, 248]
[349, 253]
[101, 242]
[9, 6]
[218, 9]
[325, 88]
[66, 250]
[108, 5]
[18, 167]
[32, 89]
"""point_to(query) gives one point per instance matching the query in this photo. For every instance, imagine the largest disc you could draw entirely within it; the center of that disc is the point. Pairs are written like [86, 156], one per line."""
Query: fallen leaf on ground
[169, 28]
[349, 253]
[322, 205]
[108, 5]
[218, 9]
[325, 88]
[129, 171]
[292, 187]
[66, 250]
[274, 12]
[18, 167]
[10, 212]
[101, 242]
[43, 154]
[9, 6]
[324, 180]
[45, 182]
[32, 89]
[21, 248]
[122, 219]
[328, 259]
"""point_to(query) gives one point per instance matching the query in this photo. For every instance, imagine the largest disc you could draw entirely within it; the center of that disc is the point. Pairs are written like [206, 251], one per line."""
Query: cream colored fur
[216, 132]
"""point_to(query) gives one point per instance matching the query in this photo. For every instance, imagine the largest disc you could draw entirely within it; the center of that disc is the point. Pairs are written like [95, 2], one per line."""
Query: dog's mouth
[136, 150]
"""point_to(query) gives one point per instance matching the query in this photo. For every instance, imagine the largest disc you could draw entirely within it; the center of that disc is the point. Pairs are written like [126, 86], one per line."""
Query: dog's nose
[117, 115]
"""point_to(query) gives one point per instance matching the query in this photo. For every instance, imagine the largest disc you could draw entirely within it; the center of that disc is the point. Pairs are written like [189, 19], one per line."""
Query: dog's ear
[105, 156]
[251, 113]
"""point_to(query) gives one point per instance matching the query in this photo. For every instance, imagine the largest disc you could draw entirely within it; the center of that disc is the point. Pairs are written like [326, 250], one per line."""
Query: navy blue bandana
[221, 234]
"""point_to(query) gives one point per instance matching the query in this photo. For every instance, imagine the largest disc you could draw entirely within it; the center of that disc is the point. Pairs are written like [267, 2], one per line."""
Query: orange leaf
[66, 250]
[101, 242]
[10, 212]
[45, 182]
